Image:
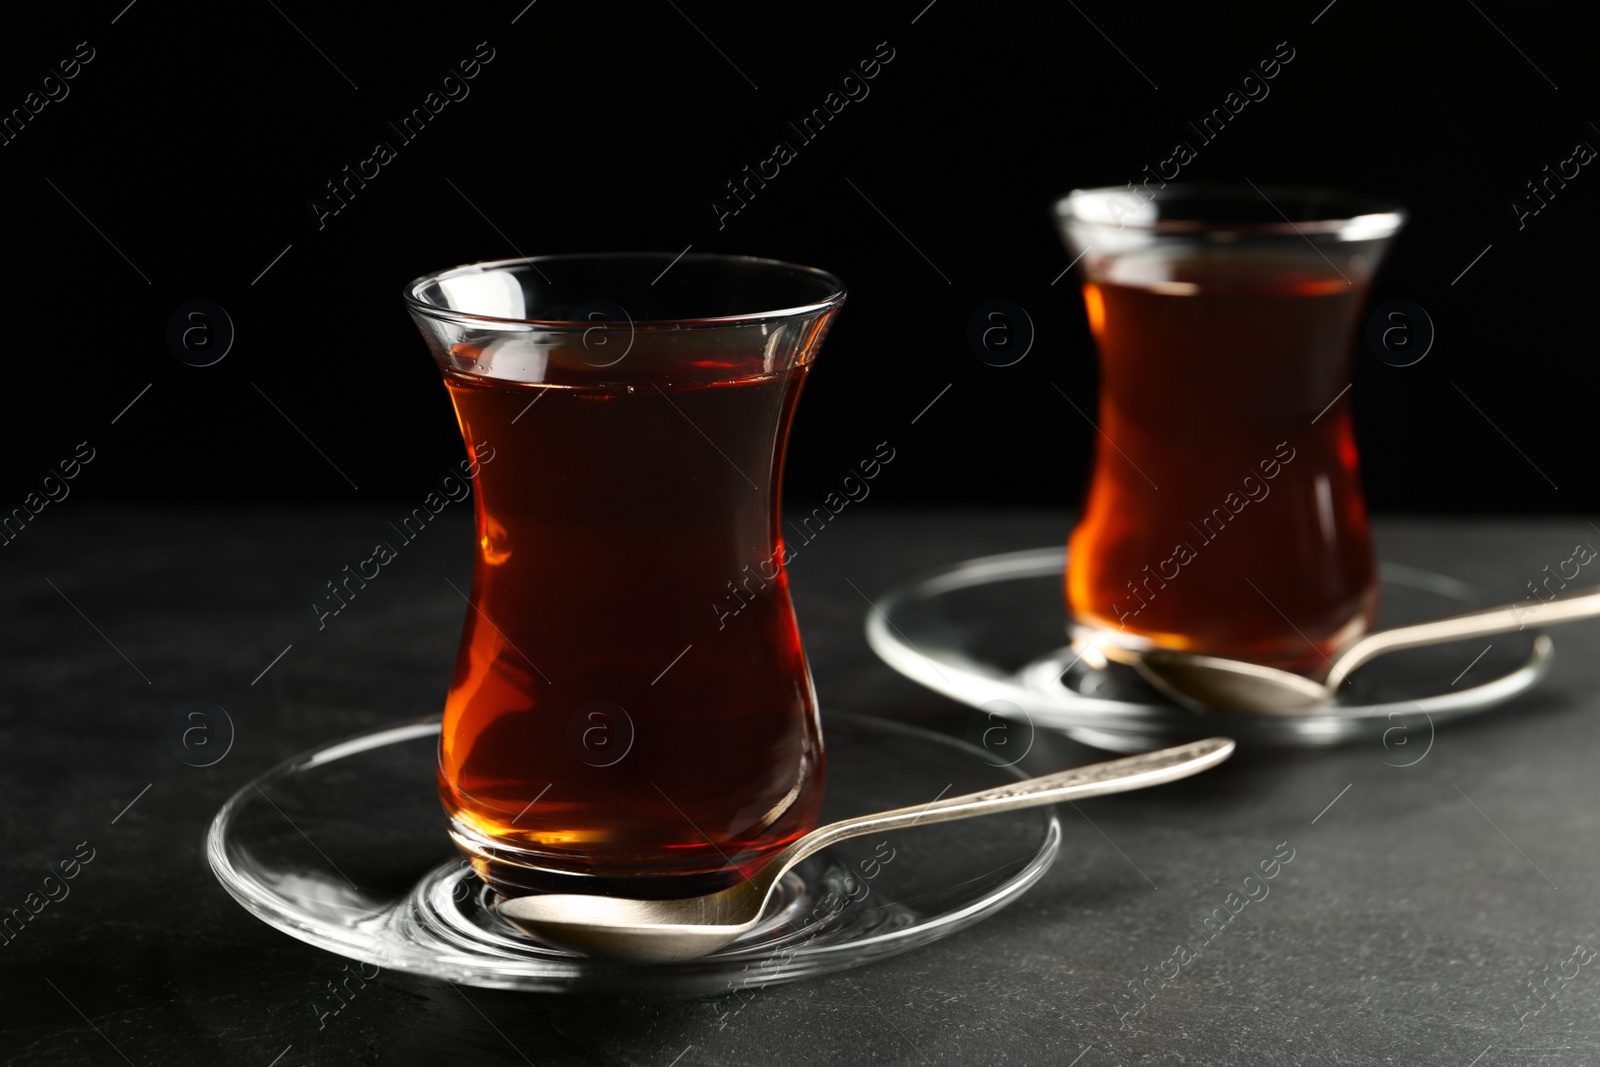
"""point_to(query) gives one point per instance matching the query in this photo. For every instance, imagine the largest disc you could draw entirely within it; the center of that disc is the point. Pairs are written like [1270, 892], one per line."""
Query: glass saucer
[992, 632]
[344, 847]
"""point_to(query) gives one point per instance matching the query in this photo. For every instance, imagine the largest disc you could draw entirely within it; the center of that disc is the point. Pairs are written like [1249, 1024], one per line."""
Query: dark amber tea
[1225, 512]
[610, 727]
[601, 710]
[1255, 544]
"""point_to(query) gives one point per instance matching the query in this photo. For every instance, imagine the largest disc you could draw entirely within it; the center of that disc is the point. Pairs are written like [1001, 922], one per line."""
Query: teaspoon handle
[1095, 779]
[1504, 618]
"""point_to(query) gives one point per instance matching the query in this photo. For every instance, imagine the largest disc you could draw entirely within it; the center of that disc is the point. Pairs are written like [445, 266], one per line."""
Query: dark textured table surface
[1439, 913]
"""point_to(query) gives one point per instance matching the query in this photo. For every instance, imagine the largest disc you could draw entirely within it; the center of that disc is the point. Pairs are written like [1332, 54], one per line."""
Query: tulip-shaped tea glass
[1224, 513]
[631, 710]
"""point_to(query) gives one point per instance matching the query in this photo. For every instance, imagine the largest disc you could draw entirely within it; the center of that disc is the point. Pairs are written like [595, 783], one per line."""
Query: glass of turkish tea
[1224, 513]
[612, 727]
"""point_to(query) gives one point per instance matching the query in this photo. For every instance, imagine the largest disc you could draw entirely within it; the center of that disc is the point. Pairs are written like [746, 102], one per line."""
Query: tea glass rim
[837, 291]
[1359, 216]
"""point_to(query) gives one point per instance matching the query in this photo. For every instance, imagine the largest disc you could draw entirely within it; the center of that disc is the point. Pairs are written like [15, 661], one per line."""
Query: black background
[197, 138]
[196, 141]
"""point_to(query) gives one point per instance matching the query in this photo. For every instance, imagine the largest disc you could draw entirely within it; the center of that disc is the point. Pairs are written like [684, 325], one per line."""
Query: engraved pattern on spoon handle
[1095, 779]
[1504, 618]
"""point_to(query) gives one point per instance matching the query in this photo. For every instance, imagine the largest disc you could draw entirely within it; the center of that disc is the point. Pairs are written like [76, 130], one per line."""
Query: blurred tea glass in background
[617, 721]
[1224, 513]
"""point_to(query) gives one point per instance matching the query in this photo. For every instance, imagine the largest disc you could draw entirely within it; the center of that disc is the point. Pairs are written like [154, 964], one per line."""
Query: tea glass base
[515, 872]
[366, 870]
[1099, 646]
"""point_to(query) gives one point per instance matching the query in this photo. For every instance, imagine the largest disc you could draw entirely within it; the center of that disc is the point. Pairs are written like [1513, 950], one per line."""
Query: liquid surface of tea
[1225, 513]
[606, 718]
